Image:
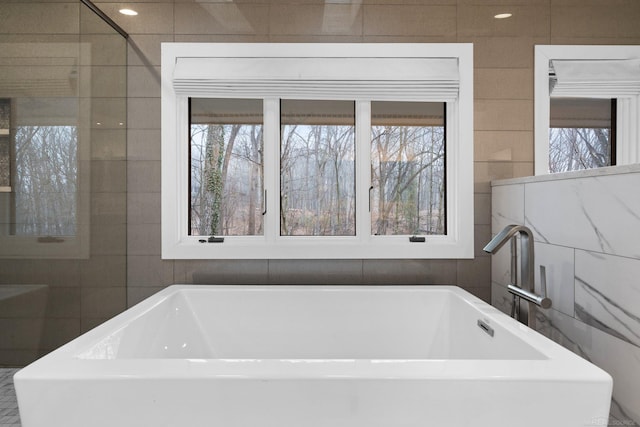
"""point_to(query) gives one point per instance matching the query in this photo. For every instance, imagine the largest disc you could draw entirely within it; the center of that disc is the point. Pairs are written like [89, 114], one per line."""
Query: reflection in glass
[226, 167]
[407, 168]
[46, 180]
[317, 168]
[63, 220]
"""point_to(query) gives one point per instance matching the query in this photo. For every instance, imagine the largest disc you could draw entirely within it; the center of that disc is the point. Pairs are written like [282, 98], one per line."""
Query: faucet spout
[504, 236]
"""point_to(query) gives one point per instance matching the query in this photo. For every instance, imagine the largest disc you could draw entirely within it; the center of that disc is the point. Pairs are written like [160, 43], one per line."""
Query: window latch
[264, 203]
[212, 239]
[417, 239]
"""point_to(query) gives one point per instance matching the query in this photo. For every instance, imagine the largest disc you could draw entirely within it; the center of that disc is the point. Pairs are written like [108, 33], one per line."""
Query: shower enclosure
[63, 124]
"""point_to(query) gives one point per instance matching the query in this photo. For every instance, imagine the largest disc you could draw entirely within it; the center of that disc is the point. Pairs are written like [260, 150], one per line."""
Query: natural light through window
[317, 168]
[581, 134]
[408, 168]
[226, 167]
[317, 151]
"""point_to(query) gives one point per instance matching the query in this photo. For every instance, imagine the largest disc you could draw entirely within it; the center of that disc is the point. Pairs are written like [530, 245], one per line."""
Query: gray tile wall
[503, 110]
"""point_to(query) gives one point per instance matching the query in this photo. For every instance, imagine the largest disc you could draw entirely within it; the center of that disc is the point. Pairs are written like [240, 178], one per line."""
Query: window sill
[299, 247]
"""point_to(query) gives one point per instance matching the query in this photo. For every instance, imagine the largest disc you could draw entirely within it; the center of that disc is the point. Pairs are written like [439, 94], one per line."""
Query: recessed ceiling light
[129, 12]
[503, 15]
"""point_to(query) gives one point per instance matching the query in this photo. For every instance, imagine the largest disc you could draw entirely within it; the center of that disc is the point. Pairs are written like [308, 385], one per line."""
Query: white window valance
[362, 73]
[583, 71]
[614, 78]
[425, 79]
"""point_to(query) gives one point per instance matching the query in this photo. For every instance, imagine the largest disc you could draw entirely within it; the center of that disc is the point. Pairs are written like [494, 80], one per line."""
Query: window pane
[580, 134]
[407, 168]
[46, 180]
[317, 168]
[226, 183]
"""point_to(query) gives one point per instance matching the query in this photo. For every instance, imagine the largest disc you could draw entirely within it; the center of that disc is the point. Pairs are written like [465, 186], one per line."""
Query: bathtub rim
[560, 364]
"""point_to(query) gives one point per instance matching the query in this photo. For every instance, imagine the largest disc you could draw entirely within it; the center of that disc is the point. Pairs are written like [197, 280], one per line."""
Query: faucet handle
[545, 302]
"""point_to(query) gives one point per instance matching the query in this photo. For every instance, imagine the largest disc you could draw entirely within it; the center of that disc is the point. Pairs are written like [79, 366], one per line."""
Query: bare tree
[226, 179]
[46, 180]
[578, 148]
[408, 179]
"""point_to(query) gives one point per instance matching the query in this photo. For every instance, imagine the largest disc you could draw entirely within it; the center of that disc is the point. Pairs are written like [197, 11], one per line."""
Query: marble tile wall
[587, 235]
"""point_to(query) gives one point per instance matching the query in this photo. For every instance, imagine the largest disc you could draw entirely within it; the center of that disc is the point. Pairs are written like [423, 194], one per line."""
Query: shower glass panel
[62, 176]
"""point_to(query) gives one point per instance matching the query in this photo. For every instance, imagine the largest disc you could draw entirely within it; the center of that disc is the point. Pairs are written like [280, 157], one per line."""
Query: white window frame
[457, 243]
[628, 104]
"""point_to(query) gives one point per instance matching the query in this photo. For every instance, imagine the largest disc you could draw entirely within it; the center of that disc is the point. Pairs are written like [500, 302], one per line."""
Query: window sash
[458, 243]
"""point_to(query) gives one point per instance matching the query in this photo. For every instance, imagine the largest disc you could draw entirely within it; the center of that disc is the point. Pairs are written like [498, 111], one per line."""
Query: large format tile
[221, 18]
[144, 239]
[482, 209]
[407, 20]
[503, 83]
[144, 49]
[143, 144]
[596, 213]
[409, 272]
[501, 266]
[104, 271]
[596, 20]
[327, 19]
[478, 20]
[46, 18]
[503, 52]
[505, 146]
[559, 265]
[222, 272]
[619, 358]
[315, 272]
[143, 208]
[158, 17]
[143, 82]
[108, 176]
[507, 206]
[501, 298]
[143, 113]
[149, 271]
[486, 172]
[474, 273]
[109, 144]
[104, 302]
[607, 290]
[143, 176]
[503, 114]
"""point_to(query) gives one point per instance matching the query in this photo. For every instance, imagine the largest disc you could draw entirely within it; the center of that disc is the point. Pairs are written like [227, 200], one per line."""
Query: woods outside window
[317, 151]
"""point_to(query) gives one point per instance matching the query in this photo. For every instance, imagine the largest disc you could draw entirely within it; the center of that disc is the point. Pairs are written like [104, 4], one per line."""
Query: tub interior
[310, 324]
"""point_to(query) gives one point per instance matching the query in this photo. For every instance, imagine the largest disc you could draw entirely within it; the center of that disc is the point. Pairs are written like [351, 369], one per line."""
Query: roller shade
[580, 113]
[595, 78]
[428, 79]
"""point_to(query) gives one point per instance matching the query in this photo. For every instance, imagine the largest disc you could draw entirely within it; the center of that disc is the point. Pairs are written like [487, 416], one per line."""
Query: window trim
[458, 243]
[627, 107]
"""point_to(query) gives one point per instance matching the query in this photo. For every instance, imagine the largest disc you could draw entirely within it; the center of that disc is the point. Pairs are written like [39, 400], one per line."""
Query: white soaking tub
[312, 356]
